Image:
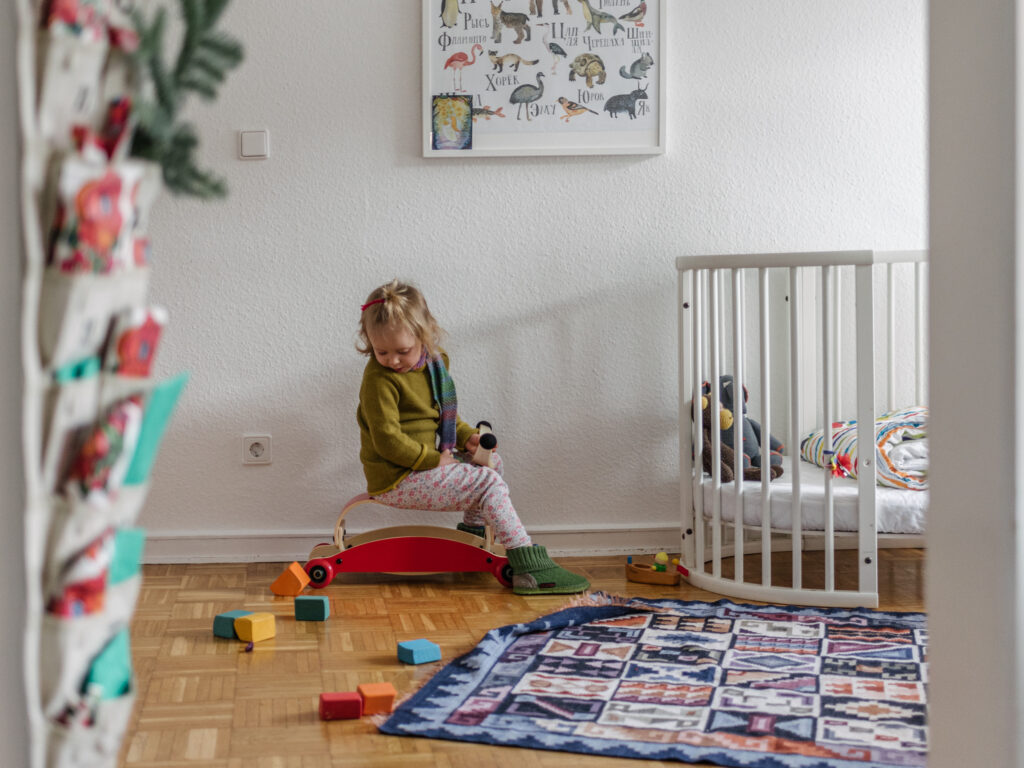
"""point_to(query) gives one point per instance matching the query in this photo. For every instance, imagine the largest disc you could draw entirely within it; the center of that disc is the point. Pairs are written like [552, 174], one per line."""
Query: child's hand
[446, 459]
[472, 444]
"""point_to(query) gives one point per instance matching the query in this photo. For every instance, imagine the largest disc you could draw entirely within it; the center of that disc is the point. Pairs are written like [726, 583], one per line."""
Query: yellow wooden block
[291, 581]
[255, 627]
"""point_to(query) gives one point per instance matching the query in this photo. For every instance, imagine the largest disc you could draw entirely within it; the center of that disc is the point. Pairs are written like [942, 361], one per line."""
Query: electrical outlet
[256, 449]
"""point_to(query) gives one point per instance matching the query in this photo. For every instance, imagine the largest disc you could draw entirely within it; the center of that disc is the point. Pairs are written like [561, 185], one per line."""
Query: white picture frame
[516, 78]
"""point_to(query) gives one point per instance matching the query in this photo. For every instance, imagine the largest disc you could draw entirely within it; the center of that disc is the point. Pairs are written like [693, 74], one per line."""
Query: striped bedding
[901, 440]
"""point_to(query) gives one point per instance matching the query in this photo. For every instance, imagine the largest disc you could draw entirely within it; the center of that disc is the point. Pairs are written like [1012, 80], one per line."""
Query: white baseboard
[284, 546]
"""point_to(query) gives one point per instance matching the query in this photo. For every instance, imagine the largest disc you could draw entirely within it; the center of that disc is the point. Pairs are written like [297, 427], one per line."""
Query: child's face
[395, 348]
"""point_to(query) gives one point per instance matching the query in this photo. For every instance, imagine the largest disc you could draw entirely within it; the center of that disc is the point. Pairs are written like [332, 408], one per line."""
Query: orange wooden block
[291, 581]
[377, 697]
[255, 627]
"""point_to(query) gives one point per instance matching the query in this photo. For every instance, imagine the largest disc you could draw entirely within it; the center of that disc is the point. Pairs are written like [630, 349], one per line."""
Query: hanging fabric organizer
[93, 415]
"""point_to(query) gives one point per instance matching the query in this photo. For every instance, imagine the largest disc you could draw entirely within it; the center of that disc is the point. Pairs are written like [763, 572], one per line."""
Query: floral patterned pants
[480, 493]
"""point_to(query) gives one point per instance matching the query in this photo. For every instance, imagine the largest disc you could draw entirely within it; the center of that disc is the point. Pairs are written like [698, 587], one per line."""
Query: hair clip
[370, 304]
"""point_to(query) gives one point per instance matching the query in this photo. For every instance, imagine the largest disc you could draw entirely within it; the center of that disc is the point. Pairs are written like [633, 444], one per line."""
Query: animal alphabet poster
[555, 77]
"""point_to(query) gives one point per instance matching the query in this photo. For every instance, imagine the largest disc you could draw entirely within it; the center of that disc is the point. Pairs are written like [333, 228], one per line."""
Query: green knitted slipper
[476, 530]
[534, 573]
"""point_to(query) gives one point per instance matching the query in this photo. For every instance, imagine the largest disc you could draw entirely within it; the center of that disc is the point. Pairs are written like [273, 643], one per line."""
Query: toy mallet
[488, 442]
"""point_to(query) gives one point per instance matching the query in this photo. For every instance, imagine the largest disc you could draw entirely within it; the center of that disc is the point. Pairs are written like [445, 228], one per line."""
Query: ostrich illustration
[459, 60]
[527, 94]
[553, 48]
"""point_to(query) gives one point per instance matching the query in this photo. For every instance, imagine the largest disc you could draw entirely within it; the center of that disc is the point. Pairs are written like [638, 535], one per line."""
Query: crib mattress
[899, 511]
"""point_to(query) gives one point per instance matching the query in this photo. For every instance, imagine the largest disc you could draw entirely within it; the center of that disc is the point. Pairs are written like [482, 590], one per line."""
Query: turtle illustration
[590, 66]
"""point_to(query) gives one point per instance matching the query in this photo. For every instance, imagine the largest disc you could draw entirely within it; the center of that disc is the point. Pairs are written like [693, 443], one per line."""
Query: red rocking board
[405, 549]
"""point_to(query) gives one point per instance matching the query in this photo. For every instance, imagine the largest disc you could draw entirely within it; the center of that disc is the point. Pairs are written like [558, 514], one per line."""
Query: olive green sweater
[398, 425]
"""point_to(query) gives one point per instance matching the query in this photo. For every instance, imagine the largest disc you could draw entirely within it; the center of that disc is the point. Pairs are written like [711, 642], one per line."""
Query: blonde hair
[399, 304]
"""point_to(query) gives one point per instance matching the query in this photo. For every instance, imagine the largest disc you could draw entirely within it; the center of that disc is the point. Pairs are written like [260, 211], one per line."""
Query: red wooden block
[347, 705]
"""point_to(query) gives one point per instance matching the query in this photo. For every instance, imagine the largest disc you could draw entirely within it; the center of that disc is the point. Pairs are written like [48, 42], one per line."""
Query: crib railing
[713, 308]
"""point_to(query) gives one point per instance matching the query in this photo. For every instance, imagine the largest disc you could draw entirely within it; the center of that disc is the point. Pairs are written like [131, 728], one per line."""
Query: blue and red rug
[725, 683]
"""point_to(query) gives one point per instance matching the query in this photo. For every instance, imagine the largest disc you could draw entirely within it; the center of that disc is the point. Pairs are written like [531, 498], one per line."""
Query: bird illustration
[458, 61]
[572, 109]
[449, 13]
[553, 48]
[636, 15]
[527, 94]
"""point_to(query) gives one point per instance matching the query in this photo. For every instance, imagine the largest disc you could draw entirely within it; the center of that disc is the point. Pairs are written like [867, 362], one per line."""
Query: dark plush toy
[728, 458]
[751, 430]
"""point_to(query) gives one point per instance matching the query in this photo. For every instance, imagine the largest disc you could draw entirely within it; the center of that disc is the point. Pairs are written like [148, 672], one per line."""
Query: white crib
[778, 322]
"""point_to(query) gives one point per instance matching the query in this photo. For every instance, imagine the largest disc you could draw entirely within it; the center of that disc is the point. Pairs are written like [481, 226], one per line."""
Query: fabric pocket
[76, 311]
[94, 739]
[69, 646]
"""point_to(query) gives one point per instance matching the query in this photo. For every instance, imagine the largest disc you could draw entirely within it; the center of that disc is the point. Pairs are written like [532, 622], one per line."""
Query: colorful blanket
[899, 463]
[758, 686]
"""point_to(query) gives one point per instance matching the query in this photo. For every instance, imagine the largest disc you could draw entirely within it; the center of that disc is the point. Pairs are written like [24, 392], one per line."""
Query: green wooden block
[312, 608]
[224, 623]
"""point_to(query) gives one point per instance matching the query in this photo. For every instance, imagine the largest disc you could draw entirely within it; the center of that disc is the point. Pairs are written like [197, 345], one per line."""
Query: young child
[410, 429]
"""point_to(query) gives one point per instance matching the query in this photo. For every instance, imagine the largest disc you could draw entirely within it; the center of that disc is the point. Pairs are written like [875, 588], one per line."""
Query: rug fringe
[600, 598]
[424, 673]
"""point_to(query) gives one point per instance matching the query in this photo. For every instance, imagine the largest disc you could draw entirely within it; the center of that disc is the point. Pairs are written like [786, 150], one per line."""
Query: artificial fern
[205, 57]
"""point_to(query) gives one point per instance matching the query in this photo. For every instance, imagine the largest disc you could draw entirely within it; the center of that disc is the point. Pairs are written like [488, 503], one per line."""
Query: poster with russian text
[532, 77]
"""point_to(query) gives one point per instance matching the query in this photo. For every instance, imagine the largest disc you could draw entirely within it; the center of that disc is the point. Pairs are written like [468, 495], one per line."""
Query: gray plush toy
[751, 430]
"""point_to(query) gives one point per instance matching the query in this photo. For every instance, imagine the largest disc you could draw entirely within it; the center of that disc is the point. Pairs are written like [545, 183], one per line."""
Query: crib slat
[737, 424]
[867, 539]
[796, 517]
[826, 418]
[919, 344]
[766, 489]
[716, 437]
[686, 309]
[891, 334]
[700, 325]
[837, 339]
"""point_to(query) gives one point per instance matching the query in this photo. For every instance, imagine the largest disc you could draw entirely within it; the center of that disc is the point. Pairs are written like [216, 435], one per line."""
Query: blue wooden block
[224, 623]
[418, 651]
[312, 608]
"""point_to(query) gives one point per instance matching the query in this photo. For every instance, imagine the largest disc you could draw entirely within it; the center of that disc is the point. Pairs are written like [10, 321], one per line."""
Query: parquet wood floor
[203, 701]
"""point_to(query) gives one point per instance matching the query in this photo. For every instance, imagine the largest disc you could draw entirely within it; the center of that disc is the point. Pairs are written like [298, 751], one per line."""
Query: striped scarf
[443, 389]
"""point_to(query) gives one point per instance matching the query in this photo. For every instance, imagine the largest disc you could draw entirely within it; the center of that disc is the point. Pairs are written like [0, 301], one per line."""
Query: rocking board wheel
[320, 573]
[504, 575]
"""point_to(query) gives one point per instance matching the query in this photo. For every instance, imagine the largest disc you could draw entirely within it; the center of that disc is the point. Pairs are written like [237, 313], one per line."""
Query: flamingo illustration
[459, 60]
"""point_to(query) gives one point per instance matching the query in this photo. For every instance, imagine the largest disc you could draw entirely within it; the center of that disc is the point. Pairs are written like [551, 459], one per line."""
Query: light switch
[253, 145]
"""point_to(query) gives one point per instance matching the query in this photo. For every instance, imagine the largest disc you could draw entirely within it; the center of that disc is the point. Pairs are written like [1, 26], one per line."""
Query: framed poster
[543, 77]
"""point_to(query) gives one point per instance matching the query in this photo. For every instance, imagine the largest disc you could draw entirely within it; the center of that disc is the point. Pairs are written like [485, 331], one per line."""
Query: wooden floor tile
[204, 701]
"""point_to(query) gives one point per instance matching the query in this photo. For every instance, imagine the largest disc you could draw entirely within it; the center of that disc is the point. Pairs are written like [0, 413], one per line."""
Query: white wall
[975, 598]
[14, 723]
[793, 125]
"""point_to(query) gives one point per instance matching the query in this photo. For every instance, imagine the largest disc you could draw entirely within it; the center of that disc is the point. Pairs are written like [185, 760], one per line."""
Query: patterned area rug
[724, 683]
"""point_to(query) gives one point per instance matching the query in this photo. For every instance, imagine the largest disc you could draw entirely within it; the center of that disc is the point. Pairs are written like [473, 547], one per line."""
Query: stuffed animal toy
[751, 430]
[728, 457]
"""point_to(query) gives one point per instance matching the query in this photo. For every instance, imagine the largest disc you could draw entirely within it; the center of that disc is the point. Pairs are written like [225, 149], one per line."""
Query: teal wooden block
[224, 623]
[418, 651]
[312, 608]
